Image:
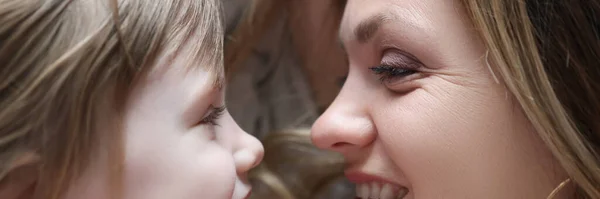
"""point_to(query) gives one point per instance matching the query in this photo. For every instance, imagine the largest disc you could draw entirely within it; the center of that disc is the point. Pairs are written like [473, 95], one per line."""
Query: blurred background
[285, 66]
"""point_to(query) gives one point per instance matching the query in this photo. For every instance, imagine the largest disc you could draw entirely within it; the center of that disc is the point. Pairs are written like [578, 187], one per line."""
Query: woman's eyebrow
[411, 20]
[367, 28]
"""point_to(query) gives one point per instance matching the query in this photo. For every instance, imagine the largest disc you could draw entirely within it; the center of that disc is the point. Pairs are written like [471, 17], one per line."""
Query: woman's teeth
[376, 190]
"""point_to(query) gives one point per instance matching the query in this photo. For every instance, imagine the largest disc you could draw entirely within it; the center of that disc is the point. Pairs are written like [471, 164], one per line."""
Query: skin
[449, 130]
[169, 152]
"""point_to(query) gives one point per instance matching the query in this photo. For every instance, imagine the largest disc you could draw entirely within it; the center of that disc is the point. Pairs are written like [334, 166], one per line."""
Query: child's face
[177, 145]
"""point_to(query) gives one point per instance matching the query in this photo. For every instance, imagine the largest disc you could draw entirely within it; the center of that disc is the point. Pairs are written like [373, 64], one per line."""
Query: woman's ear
[21, 179]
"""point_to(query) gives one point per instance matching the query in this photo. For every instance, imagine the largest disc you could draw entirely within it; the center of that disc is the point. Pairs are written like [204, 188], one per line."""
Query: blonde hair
[547, 54]
[63, 63]
[261, 15]
[288, 170]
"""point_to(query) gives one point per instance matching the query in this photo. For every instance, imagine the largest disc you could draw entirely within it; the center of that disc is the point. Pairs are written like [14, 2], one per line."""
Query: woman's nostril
[341, 144]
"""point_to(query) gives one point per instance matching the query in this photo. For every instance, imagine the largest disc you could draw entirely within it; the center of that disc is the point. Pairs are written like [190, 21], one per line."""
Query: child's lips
[248, 195]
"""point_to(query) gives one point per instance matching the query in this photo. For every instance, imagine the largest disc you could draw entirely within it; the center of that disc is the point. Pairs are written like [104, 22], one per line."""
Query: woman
[469, 99]
[107, 99]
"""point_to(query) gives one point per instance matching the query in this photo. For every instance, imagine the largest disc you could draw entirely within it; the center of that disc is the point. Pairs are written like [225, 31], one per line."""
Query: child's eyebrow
[219, 82]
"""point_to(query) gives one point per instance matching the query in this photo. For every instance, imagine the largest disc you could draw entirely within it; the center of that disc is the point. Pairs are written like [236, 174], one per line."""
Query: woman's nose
[345, 125]
[249, 153]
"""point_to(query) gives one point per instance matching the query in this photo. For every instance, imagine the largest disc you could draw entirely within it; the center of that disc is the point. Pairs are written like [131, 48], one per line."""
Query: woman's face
[421, 111]
[179, 142]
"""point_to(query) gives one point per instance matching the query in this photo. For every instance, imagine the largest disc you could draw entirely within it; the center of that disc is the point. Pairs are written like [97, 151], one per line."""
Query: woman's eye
[396, 66]
[214, 115]
[391, 73]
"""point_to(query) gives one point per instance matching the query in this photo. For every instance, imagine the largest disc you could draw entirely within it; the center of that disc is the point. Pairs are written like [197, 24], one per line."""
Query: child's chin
[241, 190]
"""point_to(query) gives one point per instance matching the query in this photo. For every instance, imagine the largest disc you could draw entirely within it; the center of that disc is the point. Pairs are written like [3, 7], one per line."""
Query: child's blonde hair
[63, 63]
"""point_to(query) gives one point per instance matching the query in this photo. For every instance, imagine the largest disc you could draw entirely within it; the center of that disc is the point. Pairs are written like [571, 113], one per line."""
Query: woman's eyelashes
[213, 115]
[390, 73]
[396, 66]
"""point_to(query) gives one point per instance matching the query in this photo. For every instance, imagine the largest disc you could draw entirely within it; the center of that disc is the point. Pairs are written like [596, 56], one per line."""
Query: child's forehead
[181, 82]
[182, 65]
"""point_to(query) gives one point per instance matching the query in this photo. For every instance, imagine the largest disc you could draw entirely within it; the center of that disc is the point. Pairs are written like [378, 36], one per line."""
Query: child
[105, 99]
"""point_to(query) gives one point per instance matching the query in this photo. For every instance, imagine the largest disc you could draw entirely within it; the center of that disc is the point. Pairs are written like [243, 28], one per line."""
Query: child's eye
[212, 116]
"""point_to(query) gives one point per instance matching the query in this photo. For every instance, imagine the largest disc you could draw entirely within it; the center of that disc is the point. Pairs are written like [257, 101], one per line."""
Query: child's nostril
[244, 160]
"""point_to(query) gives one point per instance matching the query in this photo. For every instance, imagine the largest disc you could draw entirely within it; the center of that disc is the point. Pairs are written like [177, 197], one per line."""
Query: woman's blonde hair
[547, 53]
[293, 168]
[64, 64]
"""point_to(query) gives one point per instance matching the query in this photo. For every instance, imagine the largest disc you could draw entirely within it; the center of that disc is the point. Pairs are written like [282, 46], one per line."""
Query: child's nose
[249, 154]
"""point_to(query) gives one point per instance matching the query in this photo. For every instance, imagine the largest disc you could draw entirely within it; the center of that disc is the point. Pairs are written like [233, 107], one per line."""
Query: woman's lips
[363, 177]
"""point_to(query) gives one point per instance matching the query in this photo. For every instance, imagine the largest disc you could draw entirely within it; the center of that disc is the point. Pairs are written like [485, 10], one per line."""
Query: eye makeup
[395, 66]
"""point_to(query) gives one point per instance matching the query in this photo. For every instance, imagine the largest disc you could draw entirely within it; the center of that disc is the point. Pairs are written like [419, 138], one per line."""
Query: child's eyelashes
[213, 115]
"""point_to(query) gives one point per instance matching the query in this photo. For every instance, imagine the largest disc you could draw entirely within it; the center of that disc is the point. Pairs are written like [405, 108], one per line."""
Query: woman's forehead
[362, 20]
